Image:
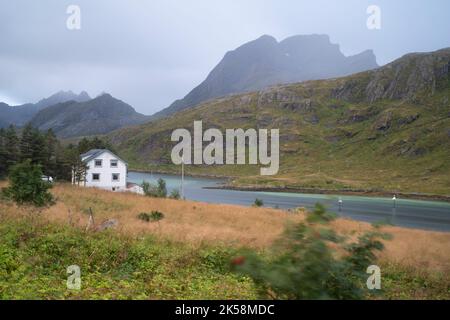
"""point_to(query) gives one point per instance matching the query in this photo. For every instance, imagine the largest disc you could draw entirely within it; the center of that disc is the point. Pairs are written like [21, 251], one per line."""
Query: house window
[115, 177]
[114, 163]
[98, 163]
[96, 177]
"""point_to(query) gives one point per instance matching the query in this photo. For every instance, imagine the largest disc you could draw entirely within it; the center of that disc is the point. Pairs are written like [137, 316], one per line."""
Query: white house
[105, 170]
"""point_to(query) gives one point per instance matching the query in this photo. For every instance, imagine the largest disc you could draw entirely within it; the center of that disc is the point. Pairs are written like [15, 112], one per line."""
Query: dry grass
[418, 249]
[185, 221]
[197, 223]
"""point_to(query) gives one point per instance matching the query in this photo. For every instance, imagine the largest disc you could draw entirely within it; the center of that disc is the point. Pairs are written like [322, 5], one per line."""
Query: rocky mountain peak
[264, 62]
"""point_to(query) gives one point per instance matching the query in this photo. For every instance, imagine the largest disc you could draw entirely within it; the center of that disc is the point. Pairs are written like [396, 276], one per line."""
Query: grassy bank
[185, 256]
[34, 257]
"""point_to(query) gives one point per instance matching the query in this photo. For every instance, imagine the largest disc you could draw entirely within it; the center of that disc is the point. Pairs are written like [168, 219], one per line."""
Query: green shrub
[161, 188]
[148, 188]
[158, 191]
[175, 194]
[144, 216]
[258, 203]
[27, 186]
[151, 217]
[303, 265]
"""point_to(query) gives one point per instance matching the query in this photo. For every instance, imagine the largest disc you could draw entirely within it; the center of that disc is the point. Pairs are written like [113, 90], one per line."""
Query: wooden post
[91, 220]
[70, 218]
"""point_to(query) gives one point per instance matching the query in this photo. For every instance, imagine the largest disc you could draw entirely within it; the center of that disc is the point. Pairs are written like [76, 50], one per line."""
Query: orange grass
[197, 223]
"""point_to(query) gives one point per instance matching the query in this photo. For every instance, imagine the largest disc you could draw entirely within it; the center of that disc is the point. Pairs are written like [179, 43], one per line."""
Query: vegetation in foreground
[34, 257]
[312, 260]
[35, 254]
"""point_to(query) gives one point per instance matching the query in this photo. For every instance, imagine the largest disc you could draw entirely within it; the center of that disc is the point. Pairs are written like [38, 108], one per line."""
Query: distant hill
[384, 129]
[265, 62]
[20, 115]
[96, 116]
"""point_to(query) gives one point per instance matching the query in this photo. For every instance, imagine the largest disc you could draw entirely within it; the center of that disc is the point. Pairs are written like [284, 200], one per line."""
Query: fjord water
[428, 215]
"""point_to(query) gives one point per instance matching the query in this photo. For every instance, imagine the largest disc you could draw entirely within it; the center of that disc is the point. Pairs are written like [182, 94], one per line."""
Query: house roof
[131, 185]
[94, 153]
[91, 152]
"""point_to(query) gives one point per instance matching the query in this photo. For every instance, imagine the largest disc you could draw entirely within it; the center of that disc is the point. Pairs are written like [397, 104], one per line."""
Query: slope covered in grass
[185, 256]
[380, 130]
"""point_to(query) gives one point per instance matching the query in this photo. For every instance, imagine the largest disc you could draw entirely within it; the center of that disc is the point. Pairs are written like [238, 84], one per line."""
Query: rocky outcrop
[109, 224]
[406, 78]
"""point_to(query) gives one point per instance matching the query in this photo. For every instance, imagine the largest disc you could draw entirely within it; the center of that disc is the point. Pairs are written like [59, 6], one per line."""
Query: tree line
[44, 149]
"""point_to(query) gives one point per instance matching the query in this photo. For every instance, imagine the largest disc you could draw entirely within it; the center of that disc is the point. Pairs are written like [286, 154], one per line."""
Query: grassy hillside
[381, 130]
[185, 256]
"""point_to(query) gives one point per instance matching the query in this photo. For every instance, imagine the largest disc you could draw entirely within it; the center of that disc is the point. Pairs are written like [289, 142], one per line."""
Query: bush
[27, 186]
[144, 216]
[158, 191]
[161, 189]
[258, 203]
[304, 264]
[175, 194]
[154, 216]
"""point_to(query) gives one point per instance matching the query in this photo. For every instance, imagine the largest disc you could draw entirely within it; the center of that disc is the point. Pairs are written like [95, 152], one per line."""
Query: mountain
[96, 116]
[386, 129]
[63, 96]
[265, 62]
[20, 115]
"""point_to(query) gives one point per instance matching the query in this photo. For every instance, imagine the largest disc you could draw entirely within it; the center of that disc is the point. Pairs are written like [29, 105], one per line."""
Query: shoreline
[366, 193]
[355, 192]
[193, 175]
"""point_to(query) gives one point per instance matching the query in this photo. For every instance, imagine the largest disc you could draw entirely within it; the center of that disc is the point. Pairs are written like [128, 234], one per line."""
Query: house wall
[106, 172]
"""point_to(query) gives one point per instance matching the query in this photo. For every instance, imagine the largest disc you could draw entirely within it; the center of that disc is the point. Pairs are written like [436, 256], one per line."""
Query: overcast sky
[149, 53]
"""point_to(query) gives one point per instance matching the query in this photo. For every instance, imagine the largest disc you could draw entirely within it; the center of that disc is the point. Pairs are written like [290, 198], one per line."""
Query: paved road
[428, 215]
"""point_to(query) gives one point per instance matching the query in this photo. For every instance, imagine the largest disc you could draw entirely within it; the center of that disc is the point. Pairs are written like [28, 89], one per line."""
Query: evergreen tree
[39, 147]
[56, 160]
[11, 147]
[84, 145]
[66, 159]
[26, 185]
[51, 145]
[26, 143]
[32, 145]
[3, 167]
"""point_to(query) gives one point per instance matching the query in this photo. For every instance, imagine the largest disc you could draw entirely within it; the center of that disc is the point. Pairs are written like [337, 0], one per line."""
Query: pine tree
[38, 148]
[51, 145]
[3, 167]
[26, 185]
[32, 145]
[84, 145]
[26, 142]
[11, 144]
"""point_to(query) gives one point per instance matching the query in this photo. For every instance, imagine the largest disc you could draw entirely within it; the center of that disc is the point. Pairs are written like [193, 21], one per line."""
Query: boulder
[108, 224]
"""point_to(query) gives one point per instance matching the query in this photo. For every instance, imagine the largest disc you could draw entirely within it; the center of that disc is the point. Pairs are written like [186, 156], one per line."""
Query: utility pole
[182, 177]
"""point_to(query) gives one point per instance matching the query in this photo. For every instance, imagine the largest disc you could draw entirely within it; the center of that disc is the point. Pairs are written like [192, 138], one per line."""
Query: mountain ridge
[20, 115]
[265, 61]
[95, 116]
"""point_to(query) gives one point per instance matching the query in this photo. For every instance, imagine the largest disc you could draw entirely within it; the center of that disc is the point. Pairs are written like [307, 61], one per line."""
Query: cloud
[151, 53]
